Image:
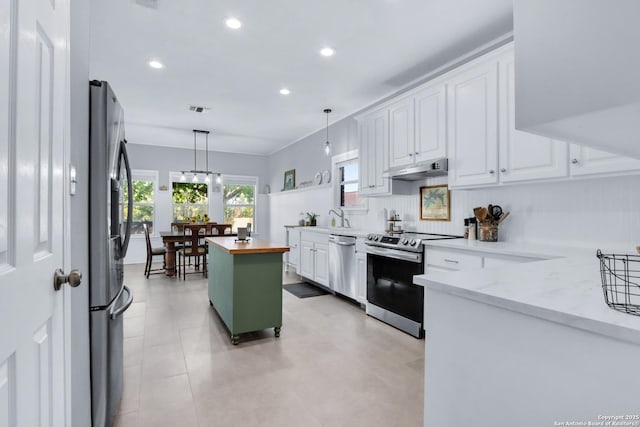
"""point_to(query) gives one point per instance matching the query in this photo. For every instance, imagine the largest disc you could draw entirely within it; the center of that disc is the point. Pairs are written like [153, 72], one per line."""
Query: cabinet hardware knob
[574, 161]
[492, 171]
[503, 170]
[410, 154]
[417, 152]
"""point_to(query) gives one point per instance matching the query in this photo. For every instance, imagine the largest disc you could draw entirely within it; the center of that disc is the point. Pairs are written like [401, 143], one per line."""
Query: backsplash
[601, 212]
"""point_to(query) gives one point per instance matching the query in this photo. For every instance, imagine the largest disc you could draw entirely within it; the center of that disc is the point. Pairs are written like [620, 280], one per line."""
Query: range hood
[418, 171]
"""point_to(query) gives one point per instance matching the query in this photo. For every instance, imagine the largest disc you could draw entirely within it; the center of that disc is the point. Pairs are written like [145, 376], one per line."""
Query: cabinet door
[430, 123]
[374, 149]
[472, 100]
[321, 255]
[524, 156]
[588, 161]
[364, 129]
[294, 244]
[401, 133]
[307, 259]
[361, 278]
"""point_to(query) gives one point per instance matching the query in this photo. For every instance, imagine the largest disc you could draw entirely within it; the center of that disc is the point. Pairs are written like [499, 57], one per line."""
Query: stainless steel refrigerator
[110, 210]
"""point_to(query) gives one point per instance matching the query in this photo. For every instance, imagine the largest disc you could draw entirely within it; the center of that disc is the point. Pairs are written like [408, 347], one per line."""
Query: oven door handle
[392, 253]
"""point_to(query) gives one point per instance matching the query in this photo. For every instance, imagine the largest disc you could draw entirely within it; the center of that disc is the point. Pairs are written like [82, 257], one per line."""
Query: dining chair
[151, 252]
[193, 233]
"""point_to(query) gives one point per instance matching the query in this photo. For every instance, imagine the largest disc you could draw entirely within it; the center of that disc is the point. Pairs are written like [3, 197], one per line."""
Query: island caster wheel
[235, 339]
[277, 331]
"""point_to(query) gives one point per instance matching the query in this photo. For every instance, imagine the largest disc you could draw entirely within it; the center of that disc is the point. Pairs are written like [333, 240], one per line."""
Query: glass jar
[488, 233]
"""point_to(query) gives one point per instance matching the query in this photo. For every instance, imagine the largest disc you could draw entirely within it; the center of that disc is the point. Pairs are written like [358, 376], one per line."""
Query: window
[239, 200]
[190, 200]
[144, 196]
[347, 174]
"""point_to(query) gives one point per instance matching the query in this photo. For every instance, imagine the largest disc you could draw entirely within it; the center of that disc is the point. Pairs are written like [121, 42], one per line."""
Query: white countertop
[565, 290]
[343, 231]
[511, 249]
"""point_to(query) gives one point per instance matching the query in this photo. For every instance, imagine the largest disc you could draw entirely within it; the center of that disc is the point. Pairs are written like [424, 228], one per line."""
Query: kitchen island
[245, 284]
[529, 344]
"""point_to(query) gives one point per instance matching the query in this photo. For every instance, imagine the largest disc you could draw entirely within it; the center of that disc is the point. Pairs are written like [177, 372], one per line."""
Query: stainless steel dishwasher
[342, 264]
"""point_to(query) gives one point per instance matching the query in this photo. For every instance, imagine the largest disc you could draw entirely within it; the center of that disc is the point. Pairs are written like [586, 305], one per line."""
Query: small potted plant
[312, 218]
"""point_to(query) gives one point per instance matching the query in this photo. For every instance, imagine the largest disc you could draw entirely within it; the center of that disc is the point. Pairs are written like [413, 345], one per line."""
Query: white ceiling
[381, 46]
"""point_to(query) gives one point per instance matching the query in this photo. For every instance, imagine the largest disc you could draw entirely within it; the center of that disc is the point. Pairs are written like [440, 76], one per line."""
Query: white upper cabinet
[577, 72]
[524, 156]
[472, 101]
[401, 131]
[589, 161]
[431, 123]
[417, 127]
[374, 153]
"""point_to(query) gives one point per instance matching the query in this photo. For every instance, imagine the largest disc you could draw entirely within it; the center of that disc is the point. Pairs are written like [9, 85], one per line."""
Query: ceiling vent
[198, 109]
[151, 4]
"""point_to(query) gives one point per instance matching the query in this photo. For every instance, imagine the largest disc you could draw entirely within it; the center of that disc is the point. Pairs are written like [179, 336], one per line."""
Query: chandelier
[195, 172]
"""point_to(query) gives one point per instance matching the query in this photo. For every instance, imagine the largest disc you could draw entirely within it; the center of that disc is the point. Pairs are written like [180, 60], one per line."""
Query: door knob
[74, 278]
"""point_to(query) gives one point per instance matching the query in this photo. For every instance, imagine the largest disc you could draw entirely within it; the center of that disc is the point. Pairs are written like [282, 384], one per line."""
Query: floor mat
[304, 290]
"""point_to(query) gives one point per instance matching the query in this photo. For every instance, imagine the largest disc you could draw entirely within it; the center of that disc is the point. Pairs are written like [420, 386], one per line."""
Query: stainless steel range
[392, 261]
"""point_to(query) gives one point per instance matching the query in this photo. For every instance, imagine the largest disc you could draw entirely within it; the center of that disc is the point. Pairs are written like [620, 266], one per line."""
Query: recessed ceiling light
[327, 51]
[156, 64]
[233, 23]
[284, 91]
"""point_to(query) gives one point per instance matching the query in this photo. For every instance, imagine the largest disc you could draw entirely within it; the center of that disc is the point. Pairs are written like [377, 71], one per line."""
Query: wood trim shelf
[301, 190]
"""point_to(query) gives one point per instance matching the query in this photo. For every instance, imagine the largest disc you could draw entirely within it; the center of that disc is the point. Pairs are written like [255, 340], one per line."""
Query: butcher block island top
[253, 246]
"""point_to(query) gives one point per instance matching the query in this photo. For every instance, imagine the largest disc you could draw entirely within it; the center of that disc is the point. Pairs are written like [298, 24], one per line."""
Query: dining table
[170, 238]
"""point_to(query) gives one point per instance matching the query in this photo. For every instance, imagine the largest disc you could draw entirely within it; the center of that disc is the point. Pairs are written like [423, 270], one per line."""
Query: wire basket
[620, 281]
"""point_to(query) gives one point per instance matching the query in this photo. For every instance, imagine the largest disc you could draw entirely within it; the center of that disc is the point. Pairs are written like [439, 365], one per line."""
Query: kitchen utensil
[496, 212]
[483, 214]
[478, 213]
[503, 217]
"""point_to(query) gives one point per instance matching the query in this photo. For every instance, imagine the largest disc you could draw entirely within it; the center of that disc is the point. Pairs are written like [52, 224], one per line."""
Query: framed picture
[290, 179]
[435, 204]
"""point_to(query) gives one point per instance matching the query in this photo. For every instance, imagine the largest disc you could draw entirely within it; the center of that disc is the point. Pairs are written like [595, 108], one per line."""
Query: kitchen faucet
[341, 216]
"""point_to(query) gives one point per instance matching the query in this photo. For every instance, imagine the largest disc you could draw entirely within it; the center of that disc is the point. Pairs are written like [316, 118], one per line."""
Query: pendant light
[327, 144]
[195, 172]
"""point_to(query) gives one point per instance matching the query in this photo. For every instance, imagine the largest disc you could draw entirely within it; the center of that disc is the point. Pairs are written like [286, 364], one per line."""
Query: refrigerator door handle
[127, 236]
[115, 313]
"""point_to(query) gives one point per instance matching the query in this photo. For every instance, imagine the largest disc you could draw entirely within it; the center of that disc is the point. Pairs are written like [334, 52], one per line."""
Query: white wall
[166, 160]
[287, 208]
[307, 156]
[588, 212]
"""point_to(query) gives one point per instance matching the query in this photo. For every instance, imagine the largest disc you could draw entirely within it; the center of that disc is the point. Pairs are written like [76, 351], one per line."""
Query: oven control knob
[413, 242]
[376, 238]
[369, 236]
[405, 241]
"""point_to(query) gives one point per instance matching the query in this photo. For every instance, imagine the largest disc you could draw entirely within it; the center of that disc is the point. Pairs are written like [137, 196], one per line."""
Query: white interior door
[33, 101]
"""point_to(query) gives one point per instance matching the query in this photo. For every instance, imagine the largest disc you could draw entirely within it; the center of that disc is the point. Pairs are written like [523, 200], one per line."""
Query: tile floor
[332, 365]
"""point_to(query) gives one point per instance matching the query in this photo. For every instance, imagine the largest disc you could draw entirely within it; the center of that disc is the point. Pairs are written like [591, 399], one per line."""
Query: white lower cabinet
[446, 259]
[361, 272]
[293, 241]
[321, 262]
[314, 257]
